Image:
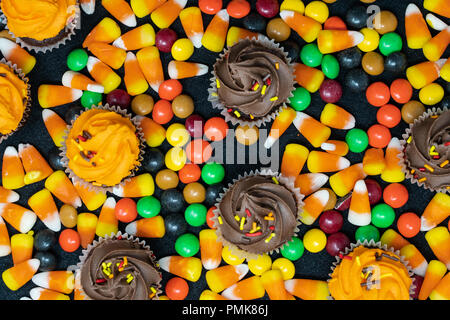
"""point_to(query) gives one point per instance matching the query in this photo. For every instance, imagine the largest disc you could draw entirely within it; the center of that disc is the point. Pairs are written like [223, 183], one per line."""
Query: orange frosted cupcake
[102, 147]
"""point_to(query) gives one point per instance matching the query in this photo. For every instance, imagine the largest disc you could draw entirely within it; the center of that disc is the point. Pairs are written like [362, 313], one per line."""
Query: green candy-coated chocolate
[301, 99]
[382, 215]
[293, 249]
[330, 66]
[187, 245]
[368, 233]
[311, 55]
[357, 140]
[89, 98]
[389, 43]
[77, 59]
[195, 214]
[212, 173]
[148, 207]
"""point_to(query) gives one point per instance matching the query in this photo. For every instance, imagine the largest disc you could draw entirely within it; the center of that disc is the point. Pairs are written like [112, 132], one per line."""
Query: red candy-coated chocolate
[164, 39]
[401, 90]
[389, 115]
[374, 190]
[119, 97]
[125, 210]
[215, 129]
[191, 172]
[209, 217]
[267, 8]
[408, 224]
[337, 242]
[331, 221]
[177, 288]
[170, 89]
[238, 8]
[198, 151]
[162, 112]
[379, 136]
[334, 23]
[378, 94]
[194, 125]
[330, 91]
[69, 240]
[418, 281]
[396, 195]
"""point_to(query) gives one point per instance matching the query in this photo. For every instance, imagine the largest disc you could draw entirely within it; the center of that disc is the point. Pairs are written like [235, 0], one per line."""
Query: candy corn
[137, 38]
[319, 161]
[437, 210]
[183, 69]
[141, 8]
[147, 227]
[209, 295]
[273, 283]
[307, 289]
[103, 74]
[121, 10]
[108, 54]
[107, 223]
[335, 147]
[22, 247]
[282, 121]
[330, 41]
[247, 289]
[307, 28]
[138, 186]
[435, 23]
[235, 34]
[310, 182]
[154, 133]
[106, 31]
[343, 182]
[445, 71]
[86, 225]
[12, 169]
[294, 158]
[359, 212]
[17, 55]
[435, 48]
[88, 6]
[439, 241]
[18, 217]
[417, 33]
[223, 277]
[5, 244]
[59, 281]
[393, 171]
[373, 161]
[442, 290]
[192, 22]
[46, 294]
[76, 80]
[36, 167]
[392, 239]
[309, 78]
[55, 125]
[313, 206]
[336, 117]
[92, 199]
[166, 14]
[415, 259]
[440, 7]
[77, 290]
[189, 268]
[151, 66]
[44, 206]
[314, 131]
[423, 73]
[16, 276]
[434, 274]
[210, 249]
[215, 34]
[62, 188]
[54, 95]
[134, 78]
[8, 196]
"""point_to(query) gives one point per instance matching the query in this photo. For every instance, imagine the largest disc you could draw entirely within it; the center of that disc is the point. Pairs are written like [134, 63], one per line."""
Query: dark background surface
[51, 66]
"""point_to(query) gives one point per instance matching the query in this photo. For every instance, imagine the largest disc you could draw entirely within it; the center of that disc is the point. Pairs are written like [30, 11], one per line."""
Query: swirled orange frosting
[13, 95]
[37, 19]
[102, 147]
[370, 274]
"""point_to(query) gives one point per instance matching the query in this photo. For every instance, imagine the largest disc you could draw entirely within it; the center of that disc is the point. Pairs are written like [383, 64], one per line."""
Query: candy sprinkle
[217, 83]
[270, 237]
[237, 113]
[443, 164]
[274, 98]
[275, 180]
[429, 167]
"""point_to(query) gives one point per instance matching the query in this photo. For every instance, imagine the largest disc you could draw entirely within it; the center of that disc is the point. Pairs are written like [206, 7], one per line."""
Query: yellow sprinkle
[220, 220]
[270, 214]
[256, 87]
[125, 261]
[443, 164]
[428, 167]
[358, 260]
[78, 145]
[275, 180]
[252, 117]
[237, 217]
[153, 289]
[423, 179]
[434, 153]
[242, 223]
[217, 83]
[214, 94]
[434, 116]
[409, 139]
[263, 90]
[269, 218]
[432, 149]
[237, 113]
[274, 98]
[413, 170]
[270, 237]
[111, 276]
[109, 264]
[277, 66]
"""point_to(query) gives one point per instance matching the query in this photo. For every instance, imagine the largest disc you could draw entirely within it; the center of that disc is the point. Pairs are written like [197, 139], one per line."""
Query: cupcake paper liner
[113, 236]
[287, 182]
[375, 245]
[70, 30]
[258, 122]
[90, 185]
[27, 109]
[404, 163]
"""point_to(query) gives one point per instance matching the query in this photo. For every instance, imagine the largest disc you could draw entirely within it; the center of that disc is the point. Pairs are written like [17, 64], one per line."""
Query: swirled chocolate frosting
[108, 268]
[253, 79]
[427, 154]
[257, 214]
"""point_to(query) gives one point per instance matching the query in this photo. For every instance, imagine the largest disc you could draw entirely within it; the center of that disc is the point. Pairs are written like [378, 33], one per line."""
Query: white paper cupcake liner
[27, 108]
[287, 182]
[404, 163]
[260, 121]
[90, 185]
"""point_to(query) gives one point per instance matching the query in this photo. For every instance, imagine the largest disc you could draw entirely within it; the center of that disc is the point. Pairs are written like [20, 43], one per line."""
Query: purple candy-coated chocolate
[194, 125]
[330, 91]
[343, 203]
[418, 280]
[165, 39]
[267, 8]
[336, 243]
[119, 97]
[374, 190]
[331, 221]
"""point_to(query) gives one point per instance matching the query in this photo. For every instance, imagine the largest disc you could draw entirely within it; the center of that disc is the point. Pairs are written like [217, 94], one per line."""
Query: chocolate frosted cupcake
[258, 214]
[252, 81]
[119, 267]
[426, 155]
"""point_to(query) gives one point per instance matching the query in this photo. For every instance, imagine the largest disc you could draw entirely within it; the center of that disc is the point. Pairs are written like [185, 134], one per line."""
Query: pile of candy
[177, 175]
